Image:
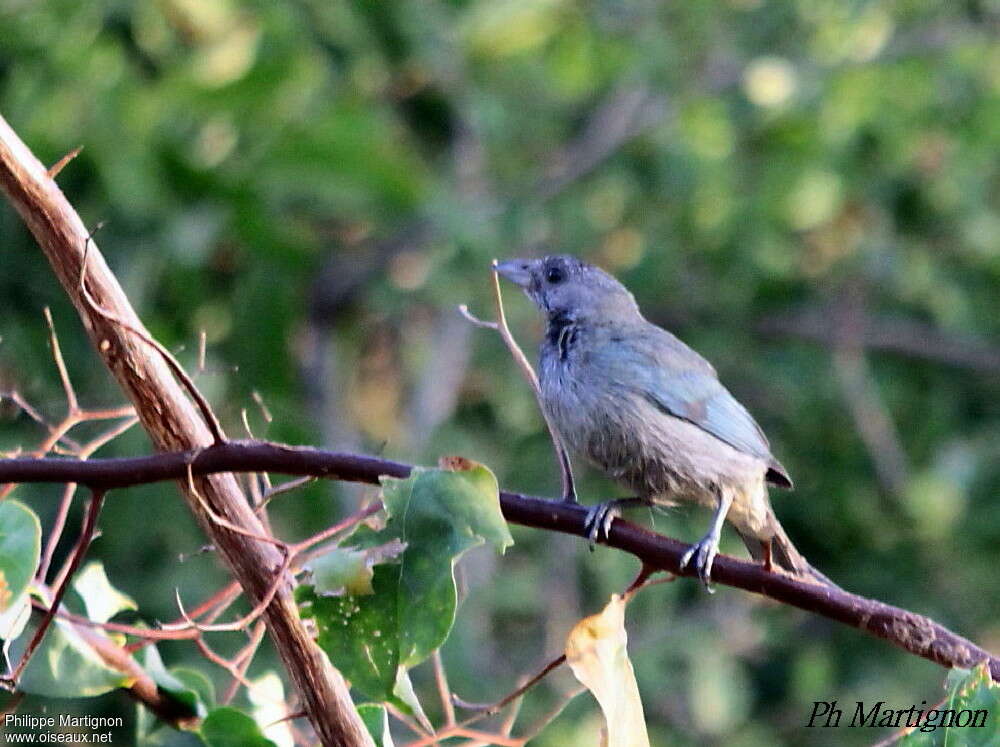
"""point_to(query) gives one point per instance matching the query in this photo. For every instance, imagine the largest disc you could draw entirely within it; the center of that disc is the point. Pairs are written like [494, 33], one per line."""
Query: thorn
[61, 163]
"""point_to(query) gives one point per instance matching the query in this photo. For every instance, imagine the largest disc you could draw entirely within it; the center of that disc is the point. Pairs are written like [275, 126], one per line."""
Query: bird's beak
[517, 271]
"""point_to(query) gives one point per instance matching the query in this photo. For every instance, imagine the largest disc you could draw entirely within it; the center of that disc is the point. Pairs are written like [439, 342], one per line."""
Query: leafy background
[806, 192]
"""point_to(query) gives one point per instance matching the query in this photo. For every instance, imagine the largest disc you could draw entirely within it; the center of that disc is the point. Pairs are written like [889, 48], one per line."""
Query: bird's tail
[784, 555]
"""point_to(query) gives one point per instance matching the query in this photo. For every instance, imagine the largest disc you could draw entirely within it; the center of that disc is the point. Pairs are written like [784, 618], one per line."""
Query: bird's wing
[704, 402]
[679, 382]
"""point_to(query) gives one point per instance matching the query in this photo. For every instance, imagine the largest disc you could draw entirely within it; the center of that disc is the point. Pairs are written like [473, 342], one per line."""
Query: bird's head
[562, 285]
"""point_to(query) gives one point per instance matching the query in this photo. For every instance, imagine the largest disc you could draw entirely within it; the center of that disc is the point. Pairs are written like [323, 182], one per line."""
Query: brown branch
[173, 424]
[912, 632]
[143, 689]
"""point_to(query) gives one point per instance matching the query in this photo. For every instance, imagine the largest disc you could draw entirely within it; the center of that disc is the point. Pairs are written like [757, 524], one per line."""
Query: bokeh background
[807, 192]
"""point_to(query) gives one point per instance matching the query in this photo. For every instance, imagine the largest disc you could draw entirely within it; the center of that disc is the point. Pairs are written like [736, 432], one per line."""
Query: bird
[651, 413]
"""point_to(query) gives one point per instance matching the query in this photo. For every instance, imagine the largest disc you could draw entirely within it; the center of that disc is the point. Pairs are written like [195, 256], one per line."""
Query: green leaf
[439, 514]
[196, 681]
[406, 698]
[228, 727]
[64, 666]
[436, 514]
[346, 570]
[342, 570]
[377, 722]
[186, 686]
[15, 618]
[968, 715]
[190, 686]
[358, 633]
[20, 548]
[102, 600]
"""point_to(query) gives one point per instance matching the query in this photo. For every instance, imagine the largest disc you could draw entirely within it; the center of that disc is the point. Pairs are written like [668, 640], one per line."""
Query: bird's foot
[600, 517]
[703, 553]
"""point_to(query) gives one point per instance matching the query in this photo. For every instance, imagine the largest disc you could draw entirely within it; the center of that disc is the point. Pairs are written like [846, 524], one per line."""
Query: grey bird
[651, 413]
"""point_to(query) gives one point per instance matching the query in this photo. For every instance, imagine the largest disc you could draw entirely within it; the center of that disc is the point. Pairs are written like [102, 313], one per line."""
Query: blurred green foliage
[808, 192]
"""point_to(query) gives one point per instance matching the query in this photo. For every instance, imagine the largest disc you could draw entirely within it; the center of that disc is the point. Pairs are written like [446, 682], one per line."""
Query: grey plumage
[650, 411]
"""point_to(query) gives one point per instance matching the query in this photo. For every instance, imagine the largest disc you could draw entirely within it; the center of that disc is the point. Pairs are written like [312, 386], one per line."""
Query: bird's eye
[554, 275]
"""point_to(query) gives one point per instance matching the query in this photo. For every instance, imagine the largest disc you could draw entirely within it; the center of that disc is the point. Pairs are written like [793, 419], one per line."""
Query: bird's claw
[703, 554]
[599, 520]
[600, 517]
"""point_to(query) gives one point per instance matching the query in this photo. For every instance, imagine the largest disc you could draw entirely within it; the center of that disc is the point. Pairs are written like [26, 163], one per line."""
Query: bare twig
[640, 582]
[224, 522]
[507, 726]
[71, 403]
[58, 525]
[243, 622]
[211, 609]
[151, 634]
[221, 661]
[286, 487]
[898, 735]
[488, 709]
[464, 311]
[243, 660]
[357, 517]
[57, 433]
[562, 456]
[444, 692]
[290, 553]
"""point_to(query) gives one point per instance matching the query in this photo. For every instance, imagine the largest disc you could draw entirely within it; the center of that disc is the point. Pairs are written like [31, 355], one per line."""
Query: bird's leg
[569, 485]
[599, 517]
[767, 560]
[704, 551]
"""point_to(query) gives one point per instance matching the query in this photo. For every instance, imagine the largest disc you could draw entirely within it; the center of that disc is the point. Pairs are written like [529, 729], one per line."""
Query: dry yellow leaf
[596, 651]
